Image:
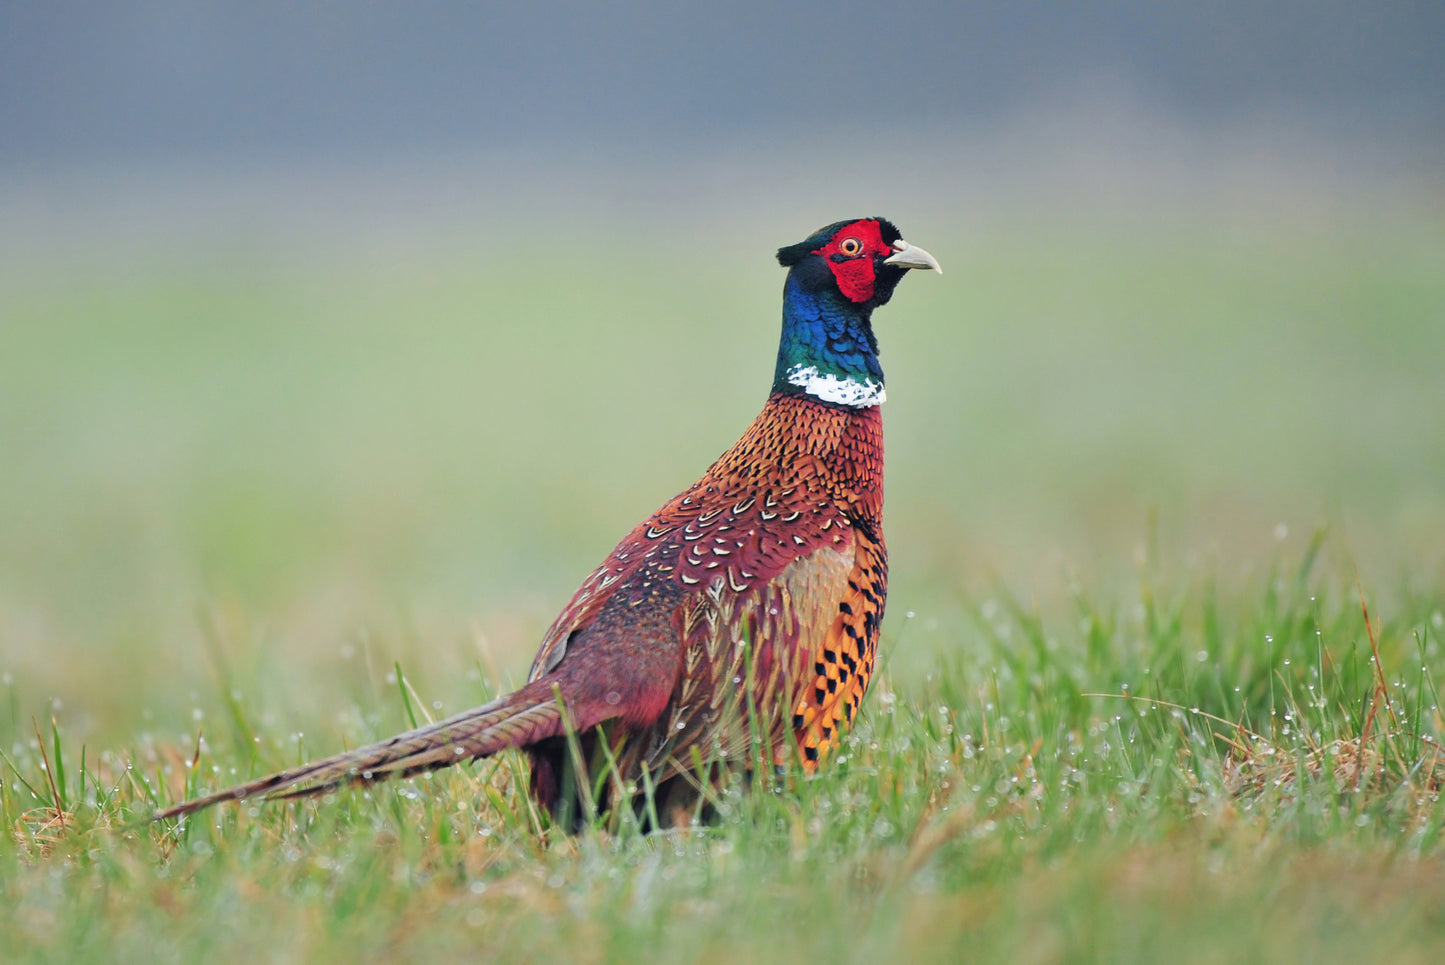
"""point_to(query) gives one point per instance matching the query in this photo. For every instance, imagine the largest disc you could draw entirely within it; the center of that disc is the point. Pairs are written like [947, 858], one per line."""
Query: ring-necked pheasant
[735, 626]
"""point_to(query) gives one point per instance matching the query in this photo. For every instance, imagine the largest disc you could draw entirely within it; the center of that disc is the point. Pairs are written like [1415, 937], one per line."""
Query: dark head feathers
[792, 254]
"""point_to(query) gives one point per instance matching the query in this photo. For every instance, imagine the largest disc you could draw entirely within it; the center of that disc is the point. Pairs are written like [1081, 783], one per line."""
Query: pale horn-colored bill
[912, 256]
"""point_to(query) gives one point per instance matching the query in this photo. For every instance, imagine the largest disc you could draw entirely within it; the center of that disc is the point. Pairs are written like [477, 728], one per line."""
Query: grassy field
[1144, 485]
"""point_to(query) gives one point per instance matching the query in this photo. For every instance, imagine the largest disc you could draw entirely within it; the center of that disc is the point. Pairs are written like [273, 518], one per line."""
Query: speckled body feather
[737, 626]
[766, 579]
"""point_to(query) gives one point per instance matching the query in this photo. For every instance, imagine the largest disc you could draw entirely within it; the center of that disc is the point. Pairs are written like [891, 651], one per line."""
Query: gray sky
[145, 81]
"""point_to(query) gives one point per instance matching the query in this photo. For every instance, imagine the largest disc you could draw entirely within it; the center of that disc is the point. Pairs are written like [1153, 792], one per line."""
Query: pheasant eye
[850, 246]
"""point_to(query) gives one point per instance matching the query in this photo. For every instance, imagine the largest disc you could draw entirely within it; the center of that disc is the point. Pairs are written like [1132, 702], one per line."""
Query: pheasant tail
[516, 720]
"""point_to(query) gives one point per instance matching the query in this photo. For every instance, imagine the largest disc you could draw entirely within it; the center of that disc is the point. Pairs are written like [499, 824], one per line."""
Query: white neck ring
[839, 391]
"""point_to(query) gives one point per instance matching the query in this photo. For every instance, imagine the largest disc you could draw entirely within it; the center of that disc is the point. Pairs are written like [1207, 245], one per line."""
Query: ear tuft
[792, 254]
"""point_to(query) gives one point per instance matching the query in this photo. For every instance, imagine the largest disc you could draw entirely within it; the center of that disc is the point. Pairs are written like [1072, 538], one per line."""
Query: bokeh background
[337, 335]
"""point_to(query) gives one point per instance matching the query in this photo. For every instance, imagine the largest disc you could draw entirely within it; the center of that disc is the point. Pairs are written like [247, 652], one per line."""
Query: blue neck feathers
[827, 349]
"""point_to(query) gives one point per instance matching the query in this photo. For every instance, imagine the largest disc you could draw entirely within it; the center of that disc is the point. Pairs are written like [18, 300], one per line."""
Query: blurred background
[333, 335]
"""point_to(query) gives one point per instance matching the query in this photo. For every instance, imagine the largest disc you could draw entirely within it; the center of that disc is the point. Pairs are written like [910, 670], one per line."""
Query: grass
[1161, 657]
[1093, 788]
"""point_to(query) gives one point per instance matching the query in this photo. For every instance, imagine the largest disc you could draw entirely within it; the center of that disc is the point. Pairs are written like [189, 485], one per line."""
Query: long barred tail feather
[517, 719]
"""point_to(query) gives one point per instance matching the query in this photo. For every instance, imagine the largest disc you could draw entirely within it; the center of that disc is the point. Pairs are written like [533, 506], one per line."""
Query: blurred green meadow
[434, 440]
[243, 481]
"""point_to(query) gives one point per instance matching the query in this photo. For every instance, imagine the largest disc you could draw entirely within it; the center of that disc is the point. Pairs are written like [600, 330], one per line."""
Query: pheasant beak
[912, 256]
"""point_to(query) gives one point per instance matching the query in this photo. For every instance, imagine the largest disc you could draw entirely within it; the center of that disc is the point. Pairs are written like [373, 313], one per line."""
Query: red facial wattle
[854, 271]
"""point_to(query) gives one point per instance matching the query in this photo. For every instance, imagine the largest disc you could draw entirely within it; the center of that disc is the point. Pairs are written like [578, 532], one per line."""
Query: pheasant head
[836, 278]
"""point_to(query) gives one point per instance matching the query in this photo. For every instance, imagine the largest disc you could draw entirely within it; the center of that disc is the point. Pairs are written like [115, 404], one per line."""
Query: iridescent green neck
[827, 349]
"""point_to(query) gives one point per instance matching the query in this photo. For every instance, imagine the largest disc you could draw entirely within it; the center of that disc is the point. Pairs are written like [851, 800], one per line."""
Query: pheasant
[735, 627]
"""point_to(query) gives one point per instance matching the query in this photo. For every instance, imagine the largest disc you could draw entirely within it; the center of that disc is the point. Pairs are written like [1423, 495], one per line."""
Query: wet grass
[1161, 660]
[1217, 779]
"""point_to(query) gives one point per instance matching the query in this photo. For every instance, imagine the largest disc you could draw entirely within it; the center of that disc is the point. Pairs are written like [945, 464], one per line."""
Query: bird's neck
[827, 350]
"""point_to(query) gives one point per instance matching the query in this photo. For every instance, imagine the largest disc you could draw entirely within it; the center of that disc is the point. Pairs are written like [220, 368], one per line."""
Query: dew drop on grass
[1202, 656]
